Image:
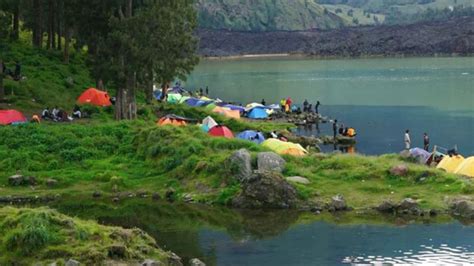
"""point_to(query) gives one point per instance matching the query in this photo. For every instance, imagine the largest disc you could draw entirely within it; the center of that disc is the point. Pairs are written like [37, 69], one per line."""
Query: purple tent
[235, 108]
[420, 153]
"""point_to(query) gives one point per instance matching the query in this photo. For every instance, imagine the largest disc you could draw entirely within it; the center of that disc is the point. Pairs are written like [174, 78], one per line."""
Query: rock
[338, 203]
[96, 194]
[399, 170]
[149, 262]
[387, 207]
[298, 179]
[116, 199]
[170, 194]
[174, 260]
[156, 196]
[117, 252]
[408, 204]
[270, 162]
[462, 208]
[268, 190]
[142, 194]
[51, 182]
[240, 165]
[433, 212]
[72, 262]
[196, 262]
[15, 180]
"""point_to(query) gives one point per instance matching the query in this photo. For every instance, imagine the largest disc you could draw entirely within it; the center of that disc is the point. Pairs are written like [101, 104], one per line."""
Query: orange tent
[171, 121]
[227, 112]
[94, 97]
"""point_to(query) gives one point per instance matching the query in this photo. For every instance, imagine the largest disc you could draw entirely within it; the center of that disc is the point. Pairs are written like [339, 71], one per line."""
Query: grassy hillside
[265, 15]
[48, 81]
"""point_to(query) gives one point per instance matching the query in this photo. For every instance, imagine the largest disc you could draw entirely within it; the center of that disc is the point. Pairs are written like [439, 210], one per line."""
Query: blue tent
[258, 113]
[235, 107]
[251, 135]
[157, 94]
[194, 102]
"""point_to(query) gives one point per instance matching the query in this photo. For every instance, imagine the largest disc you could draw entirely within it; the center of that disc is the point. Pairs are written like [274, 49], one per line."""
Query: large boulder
[463, 208]
[387, 207]
[270, 162]
[19, 180]
[72, 262]
[298, 179]
[268, 190]
[399, 170]
[240, 164]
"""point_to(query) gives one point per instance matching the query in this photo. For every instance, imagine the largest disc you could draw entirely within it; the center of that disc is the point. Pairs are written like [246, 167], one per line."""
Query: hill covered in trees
[274, 15]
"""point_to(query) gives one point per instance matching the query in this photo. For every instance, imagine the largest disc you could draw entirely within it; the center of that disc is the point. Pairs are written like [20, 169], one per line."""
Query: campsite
[123, 143]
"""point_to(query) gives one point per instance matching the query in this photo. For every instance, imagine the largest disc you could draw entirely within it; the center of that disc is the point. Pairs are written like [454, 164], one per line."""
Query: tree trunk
[58, 21]
[99, 84]
[129, 8]
[37, 29]
[66, 45]
[16, 22]
[50, 24]
[2, 89]
[149, 87]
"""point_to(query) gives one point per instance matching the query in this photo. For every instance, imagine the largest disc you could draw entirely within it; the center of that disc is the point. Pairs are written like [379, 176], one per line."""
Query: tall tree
[38, 23]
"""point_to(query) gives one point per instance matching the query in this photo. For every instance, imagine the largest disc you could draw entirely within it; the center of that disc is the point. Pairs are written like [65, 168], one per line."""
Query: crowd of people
[59, 115]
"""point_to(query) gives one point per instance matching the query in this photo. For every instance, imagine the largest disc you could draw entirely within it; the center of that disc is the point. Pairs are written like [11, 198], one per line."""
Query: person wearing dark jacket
[334, 129]
[426, 142]
[316, 107]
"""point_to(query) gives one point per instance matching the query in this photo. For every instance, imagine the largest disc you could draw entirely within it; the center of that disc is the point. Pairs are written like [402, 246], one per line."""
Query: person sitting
[35, 119]
[274, 135]
[46, 114]
[55, 113]
[76, 112]
[341, 130]
[298, 110]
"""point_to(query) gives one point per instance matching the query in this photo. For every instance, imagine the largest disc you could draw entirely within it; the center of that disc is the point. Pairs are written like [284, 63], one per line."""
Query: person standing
[407, 139]
[305, 106]
[288, 103]
[263, 102]
[426, 141]
[334, 129]
[207, 91]
[316, 107]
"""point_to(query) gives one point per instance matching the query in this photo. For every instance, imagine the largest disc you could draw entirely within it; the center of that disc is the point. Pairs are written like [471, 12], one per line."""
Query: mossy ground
[44, 235]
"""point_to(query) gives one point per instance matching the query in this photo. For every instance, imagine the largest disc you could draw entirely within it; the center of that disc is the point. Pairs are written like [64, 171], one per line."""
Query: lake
[221, 236]
[381, 98]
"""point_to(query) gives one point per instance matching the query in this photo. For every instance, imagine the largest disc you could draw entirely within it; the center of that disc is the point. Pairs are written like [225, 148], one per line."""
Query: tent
[183, 99]
[466, 167]
[221, 131]
[171, 121]
[258, 113]
[194, 102]
[282, 147]
[174, 97]
[8, 117]
[227, 112]
[209, 123]
[94, 97]
[450, 163]
[420, 154]
[253, 105]
[251, 135]
[235, 107]
[210, 106]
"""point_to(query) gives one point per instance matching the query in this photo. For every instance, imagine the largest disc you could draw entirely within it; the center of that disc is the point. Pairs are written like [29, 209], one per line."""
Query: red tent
[8, 117]
[94, 97]
[221, 131]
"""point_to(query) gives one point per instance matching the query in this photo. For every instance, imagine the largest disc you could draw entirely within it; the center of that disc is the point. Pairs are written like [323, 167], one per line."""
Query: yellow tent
[466, 167]
[449, 164]
[282, 147]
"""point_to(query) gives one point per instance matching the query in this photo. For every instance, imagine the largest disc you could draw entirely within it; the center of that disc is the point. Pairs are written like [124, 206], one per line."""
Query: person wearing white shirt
[407, 139]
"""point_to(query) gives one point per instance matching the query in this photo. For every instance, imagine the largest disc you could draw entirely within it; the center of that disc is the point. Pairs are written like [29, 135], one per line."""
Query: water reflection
[427, 255]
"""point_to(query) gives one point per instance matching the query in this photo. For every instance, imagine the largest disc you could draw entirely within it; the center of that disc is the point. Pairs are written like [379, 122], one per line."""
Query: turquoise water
[380, 97]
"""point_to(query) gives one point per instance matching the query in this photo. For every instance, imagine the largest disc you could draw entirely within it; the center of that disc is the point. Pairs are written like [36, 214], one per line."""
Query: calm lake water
[221, 236]
[379, 97]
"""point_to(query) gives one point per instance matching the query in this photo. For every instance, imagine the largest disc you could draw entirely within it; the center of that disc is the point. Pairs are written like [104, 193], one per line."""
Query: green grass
[48, 81]
[138, 155]
[44, 235]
